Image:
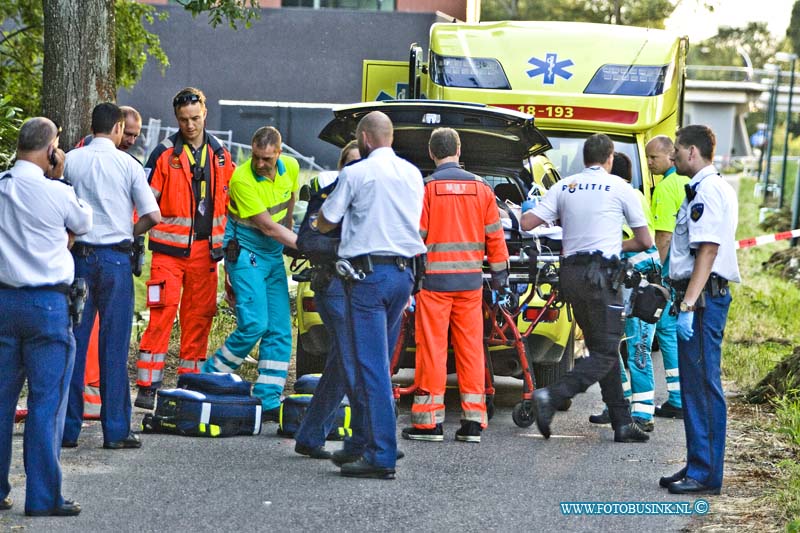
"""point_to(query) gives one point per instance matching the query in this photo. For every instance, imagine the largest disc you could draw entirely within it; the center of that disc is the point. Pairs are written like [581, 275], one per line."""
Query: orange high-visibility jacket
[170, 177]
[456, 244]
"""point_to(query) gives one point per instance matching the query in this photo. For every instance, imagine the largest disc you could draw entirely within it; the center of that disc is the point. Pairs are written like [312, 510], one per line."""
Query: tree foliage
[647, 13]
[727, 46]
[793, 31]
[134, 43]
[10, 122]
[220, 10]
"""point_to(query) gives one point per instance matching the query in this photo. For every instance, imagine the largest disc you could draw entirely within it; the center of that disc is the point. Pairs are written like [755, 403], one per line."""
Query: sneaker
[644, 424]
[667, 410]
[600, 418]
[435, 434]
[469, 432]
[146, 398]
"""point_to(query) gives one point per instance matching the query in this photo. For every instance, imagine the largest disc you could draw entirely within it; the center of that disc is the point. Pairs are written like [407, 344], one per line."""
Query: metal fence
[153, 133]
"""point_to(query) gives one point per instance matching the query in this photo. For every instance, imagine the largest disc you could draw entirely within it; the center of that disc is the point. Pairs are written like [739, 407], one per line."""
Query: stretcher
[534, 295]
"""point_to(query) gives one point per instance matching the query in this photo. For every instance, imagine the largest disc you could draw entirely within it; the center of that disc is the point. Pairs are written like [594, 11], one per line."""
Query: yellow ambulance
[575, 78]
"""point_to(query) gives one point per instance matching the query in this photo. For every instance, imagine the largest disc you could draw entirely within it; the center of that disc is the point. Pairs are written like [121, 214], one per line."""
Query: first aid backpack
[199, 414]
[215, 383]
[293, 409]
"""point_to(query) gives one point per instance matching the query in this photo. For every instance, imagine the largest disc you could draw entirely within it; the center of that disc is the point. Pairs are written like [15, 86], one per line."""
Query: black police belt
[62, 288]
[367, 261]
[596, 264]
[716, 286]
[82, 249]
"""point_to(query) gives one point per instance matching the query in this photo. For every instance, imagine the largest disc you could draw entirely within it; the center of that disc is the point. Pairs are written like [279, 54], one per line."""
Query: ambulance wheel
[307, 362]
[489, 406]
[523, 415]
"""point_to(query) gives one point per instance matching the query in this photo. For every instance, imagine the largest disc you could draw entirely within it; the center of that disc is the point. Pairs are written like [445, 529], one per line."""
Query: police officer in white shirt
[702, 263]
[36, 340]
[112, 183]
[592, 207]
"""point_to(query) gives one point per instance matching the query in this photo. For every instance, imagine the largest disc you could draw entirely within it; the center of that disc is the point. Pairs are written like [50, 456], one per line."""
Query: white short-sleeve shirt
[379, 202]
[35, 214]
[112, 183]
[711, 216]
[592, 206]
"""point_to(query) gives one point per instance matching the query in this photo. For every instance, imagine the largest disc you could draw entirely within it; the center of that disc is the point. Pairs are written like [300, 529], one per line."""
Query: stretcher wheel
[489, 406]
[523, 415]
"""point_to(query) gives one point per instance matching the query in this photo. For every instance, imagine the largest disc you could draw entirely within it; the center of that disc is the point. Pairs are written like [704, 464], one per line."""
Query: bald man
[378, 203]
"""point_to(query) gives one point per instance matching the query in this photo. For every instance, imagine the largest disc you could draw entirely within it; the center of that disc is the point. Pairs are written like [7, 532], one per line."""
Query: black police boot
[600, 418]
[630, 433]
[544, 411]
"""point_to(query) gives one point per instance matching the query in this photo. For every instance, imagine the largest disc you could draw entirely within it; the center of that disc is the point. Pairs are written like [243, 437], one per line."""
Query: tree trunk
[782, 379]
[78, 70]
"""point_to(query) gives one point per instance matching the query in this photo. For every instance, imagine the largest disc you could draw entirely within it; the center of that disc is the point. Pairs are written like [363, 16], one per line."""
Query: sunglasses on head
[184, 99]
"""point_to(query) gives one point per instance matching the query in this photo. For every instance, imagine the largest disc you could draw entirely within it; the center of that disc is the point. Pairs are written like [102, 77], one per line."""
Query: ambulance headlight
[468, 72]
[629, 80]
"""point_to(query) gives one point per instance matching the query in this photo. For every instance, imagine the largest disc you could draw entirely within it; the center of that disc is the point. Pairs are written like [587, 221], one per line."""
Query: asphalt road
[512, 481]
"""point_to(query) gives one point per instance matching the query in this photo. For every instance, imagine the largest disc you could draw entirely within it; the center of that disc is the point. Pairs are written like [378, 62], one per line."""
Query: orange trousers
[191, 284]
[91, 380]
[461, 313]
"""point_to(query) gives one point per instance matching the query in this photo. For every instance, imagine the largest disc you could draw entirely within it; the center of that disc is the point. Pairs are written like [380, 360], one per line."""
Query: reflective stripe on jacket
[170, 176]
[460, 223]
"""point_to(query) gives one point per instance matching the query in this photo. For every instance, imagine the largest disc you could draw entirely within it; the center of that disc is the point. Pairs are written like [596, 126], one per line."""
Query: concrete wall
[727, 121]
[289, 55]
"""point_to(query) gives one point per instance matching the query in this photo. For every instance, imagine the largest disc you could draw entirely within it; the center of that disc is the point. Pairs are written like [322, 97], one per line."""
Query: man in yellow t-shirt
[667, 198]
[262, 196]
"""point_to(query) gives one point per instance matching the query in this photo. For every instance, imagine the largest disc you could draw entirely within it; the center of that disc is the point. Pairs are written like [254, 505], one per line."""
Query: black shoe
[317, 452]
[469, 432]
[271, 415]
[691, 486]
[644, 425]
[69, 444]
[341, 457]
[68, 508]
[630, 433]
[544, 411]
[667, 410]
[131, 441]
[677, 476]
[362, 468]
[435, 434]
[6, 503]
[145, 398]
[601, 418]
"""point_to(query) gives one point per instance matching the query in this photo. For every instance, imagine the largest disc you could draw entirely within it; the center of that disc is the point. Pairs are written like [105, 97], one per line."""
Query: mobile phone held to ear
[52, 157]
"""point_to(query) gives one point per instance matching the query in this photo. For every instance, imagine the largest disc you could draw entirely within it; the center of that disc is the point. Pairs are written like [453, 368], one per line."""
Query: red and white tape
[766, 239]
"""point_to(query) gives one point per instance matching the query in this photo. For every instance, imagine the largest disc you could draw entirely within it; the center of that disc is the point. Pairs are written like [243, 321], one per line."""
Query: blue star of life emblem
[549, 68]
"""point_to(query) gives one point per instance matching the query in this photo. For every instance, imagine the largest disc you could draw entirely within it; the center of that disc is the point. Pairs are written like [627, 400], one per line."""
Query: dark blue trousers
[373, 317]
[36, 343]
[108, 274]
[320, 416]
[704, 411]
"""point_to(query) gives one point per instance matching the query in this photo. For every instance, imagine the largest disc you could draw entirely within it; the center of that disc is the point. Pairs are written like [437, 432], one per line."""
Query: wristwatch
[685, 308]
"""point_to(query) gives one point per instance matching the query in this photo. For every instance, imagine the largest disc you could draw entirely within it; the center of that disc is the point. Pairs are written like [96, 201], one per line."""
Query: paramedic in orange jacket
[459, 222]
[189, 174]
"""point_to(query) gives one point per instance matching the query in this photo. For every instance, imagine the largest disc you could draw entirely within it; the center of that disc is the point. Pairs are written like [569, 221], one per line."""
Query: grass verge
[762, 329]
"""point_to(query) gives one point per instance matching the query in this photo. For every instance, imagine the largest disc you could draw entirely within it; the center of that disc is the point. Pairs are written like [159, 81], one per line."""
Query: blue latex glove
[684, 325]
[527, 205]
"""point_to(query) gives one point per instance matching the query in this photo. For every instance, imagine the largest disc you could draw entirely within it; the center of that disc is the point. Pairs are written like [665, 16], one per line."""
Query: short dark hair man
[592, 207]
[459, 221]
[702, 263]
[114, 185]
[189, 173]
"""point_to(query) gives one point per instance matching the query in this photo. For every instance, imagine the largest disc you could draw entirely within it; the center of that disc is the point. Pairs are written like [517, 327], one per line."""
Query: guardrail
[153, 133]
